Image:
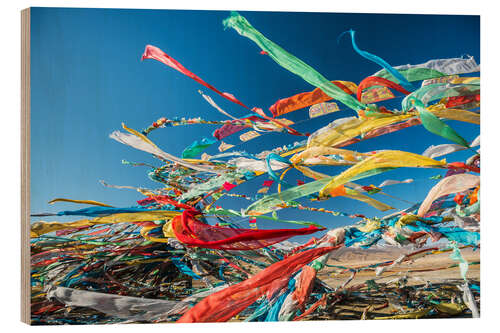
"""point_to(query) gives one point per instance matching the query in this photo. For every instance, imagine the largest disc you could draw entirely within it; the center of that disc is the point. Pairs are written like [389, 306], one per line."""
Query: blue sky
[87, 78]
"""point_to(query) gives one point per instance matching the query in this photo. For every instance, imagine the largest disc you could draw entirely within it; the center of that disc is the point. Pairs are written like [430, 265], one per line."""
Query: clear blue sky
[87, 78]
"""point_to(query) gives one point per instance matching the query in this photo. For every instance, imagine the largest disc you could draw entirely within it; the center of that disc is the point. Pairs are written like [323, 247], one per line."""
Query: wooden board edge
[25, 167]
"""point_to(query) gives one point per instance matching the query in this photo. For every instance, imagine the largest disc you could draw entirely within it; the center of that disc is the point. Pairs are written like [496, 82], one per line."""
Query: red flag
[228, 186]
[226, 303]
[371, 81]
[267, 183]
[192, 232]
[152, 52]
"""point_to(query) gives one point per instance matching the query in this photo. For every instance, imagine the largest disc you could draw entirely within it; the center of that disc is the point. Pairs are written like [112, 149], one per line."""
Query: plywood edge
[25, 167]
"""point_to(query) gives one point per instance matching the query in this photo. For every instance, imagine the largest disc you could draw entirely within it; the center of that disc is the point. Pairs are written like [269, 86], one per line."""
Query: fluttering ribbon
[290, 62]
[434, 125]
[153, 52]
[376, 59]
[225, 304]
[192, 232]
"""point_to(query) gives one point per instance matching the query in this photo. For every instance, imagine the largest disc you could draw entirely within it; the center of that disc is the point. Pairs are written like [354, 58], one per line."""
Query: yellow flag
[42, 227]
[384, 159]
[168, 232]
[88, 202]
[352, 128]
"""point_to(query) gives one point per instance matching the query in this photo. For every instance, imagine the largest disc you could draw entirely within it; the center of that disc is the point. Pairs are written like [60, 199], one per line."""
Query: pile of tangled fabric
[161, 260]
